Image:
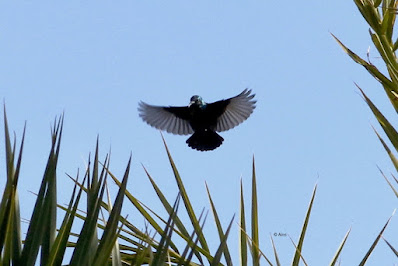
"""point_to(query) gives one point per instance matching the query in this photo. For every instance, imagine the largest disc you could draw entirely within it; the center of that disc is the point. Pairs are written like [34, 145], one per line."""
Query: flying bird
[202, 120]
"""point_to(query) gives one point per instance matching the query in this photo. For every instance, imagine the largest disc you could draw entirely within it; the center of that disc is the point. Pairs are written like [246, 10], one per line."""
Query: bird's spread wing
[233, 111]
[171, 119]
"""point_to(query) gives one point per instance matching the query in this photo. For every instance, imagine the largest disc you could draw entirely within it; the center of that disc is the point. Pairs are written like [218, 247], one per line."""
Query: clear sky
[95, 60]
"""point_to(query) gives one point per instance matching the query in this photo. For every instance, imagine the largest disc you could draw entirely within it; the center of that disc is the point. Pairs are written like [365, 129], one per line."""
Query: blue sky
[96, 60]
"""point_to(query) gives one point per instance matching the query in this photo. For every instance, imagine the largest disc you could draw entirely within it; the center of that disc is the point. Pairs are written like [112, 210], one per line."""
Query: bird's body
[200, 118]
[203, 122]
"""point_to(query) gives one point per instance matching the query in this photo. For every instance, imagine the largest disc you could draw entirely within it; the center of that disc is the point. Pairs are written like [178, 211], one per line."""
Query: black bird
[200, 118]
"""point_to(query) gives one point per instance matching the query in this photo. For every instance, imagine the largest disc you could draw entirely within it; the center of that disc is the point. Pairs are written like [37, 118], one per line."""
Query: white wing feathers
[238, 110]
[160, 118]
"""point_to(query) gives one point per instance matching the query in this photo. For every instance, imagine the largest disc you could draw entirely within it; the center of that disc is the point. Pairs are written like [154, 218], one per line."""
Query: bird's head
[197, 101]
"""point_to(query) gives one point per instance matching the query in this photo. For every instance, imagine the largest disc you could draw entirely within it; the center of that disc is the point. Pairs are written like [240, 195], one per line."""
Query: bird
[202, 120]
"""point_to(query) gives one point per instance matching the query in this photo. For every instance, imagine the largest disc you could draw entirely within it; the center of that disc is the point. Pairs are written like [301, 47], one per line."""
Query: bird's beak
[192, 102]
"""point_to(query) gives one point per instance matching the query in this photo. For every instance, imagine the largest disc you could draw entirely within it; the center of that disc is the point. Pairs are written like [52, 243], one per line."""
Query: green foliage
[106, 237]
[99, 240]
[42, 232]
[380, 16]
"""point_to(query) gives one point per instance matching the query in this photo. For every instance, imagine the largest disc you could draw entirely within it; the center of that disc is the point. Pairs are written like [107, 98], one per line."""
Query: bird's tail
[205, 140]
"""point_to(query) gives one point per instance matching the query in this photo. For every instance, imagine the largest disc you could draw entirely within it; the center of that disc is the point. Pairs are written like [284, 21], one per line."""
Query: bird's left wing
[233, 111]
[171, 119]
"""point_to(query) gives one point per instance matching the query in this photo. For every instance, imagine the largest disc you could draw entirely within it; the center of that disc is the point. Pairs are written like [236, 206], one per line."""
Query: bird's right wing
[233, 111]
[171, 119]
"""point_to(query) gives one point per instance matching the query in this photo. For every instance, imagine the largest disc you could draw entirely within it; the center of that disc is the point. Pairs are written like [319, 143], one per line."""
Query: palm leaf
[366, 257]
[391, 247]
[110, 232]
[255, 238]
[219, 228]
[275, 253]
[221, 249]
[242, 230]
[42, 224]
[186, 201]
[336, 256]
[299, 247]
[161, 252]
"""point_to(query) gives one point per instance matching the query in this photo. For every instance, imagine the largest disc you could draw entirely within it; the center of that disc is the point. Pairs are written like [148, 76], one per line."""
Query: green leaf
[219, 228]
[136, 203]
[60, 244]
[377, 3]
[86, 246]
[222, 246]
[390, 154]
[161, 252]
[116, 251]
[50, 201]
[385, 124]
[110, 234]
[389, 183]
[42, 224]
[255, 238]
[10, 228]
[182, 231]
[298, 252]
[388, 18]
[385, 50]
[299, 247]
[369, 67]
[395, 46]
[391, 247]
[336, 256]
[186, 258]
[275, 253]
[187, 203]
[365, 258]
[242, 230]
[370, 13]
